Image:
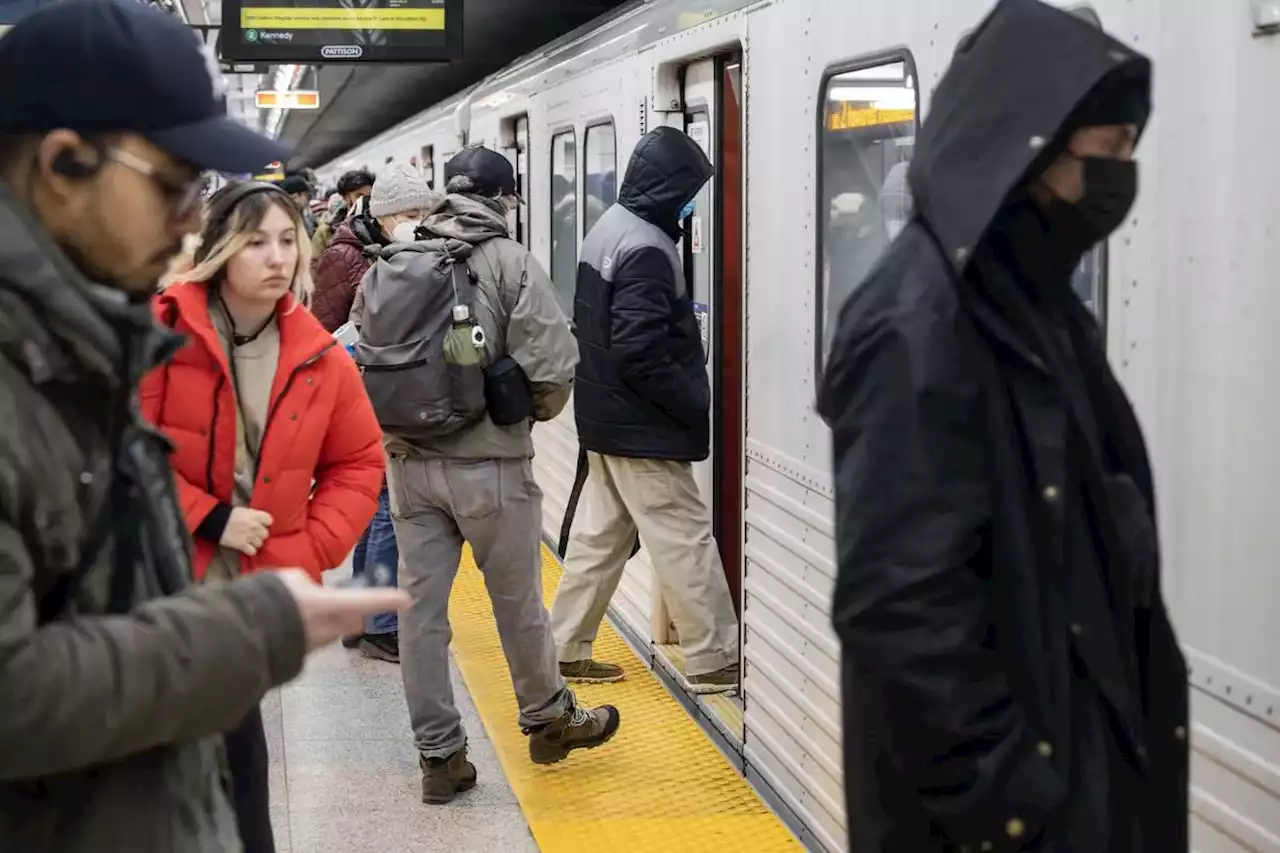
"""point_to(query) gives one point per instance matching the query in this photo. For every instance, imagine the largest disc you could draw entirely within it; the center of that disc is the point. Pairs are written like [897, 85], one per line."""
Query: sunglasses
[184, 198]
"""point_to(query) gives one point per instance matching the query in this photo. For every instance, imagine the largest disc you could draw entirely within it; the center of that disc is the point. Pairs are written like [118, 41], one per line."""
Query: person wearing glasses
[118, 678]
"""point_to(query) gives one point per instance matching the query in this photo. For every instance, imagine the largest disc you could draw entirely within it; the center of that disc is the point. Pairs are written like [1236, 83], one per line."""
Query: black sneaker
[352, 642]
[381, 647]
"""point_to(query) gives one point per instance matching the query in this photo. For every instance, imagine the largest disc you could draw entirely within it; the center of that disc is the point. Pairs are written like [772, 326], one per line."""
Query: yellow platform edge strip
[659, 785]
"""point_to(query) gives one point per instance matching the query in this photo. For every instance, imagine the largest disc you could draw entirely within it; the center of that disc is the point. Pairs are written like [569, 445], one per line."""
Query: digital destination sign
[315, 32]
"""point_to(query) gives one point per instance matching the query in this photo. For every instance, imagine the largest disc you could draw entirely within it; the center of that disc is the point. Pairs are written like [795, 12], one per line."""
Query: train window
[868, 128]
[521, 214]
[429, 165]
[564, 217]
[601, 182]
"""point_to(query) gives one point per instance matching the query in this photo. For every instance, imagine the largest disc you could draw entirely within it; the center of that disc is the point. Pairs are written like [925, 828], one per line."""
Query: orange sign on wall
[847, 116]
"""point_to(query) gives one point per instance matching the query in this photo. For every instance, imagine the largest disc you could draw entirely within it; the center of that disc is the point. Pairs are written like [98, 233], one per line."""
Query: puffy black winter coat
[642, 388]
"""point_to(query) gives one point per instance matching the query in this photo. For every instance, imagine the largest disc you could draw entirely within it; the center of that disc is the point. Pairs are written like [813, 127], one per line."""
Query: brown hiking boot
[591, 672]
[720, 681]
[443, 778]
[577, 728]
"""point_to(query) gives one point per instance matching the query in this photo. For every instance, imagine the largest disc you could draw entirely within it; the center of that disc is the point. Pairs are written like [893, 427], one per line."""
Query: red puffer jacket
[337, 273]
[319, 426]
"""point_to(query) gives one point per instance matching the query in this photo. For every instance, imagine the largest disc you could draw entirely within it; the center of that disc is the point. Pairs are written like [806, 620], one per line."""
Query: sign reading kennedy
[314, 32]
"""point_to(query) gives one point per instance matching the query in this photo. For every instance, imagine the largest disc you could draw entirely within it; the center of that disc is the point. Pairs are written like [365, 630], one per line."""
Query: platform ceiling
[359, 102]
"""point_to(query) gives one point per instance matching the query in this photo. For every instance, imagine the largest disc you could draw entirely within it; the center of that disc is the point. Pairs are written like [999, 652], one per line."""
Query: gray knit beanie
[399, 189]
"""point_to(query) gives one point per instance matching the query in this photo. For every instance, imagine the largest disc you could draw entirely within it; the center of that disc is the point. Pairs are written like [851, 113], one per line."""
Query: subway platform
[344, 774]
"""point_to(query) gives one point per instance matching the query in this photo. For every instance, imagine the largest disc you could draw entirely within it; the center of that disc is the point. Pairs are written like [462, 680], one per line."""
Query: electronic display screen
[314, 32]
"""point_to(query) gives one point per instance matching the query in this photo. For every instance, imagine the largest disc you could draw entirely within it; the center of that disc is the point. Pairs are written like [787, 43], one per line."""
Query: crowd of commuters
[187, 446]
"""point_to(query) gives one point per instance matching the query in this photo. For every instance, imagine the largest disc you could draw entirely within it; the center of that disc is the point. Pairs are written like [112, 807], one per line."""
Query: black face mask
[1110, 187]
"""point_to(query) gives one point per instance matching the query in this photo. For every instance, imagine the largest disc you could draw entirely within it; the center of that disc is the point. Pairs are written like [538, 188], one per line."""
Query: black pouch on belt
[507, 393]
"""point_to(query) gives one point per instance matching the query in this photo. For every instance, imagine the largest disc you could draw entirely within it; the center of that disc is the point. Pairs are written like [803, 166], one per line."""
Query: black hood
[1017, 85]
[666, 171]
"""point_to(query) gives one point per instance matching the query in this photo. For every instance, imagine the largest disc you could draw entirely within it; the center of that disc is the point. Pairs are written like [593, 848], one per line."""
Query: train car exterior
[808, 109]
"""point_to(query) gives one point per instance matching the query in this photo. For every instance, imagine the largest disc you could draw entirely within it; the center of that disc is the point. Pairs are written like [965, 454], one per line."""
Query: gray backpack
[410, 299]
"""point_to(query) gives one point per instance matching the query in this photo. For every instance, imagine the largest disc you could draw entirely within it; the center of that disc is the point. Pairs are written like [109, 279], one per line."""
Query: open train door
[713, 260]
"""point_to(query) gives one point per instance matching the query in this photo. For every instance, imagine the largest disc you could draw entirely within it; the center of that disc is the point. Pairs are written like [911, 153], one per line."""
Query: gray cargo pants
[495, 505]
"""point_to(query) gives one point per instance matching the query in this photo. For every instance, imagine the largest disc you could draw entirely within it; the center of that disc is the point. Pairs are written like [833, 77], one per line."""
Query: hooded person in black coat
[1011, 679]
[642, 402]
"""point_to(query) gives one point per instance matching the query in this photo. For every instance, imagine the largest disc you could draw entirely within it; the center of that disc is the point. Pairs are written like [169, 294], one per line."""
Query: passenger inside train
[849, 447]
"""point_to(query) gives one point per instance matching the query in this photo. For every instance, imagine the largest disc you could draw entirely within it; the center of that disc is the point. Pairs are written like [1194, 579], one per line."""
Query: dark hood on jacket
[1026, 77]
[666, 171]
[469, 218]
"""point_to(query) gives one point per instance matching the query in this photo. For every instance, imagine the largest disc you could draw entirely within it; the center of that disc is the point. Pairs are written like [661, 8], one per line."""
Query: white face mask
[403, 233]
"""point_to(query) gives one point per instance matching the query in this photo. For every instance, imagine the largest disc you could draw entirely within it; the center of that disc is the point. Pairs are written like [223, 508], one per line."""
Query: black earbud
[67, 165]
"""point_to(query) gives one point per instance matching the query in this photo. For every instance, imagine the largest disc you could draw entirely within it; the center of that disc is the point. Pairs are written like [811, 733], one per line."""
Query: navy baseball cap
[489, 172]
[113, 66]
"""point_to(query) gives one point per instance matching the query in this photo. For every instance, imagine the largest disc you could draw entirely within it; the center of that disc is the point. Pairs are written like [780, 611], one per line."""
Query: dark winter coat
[114, 690]
[339, 270]
[1004, 682]
[642, 388]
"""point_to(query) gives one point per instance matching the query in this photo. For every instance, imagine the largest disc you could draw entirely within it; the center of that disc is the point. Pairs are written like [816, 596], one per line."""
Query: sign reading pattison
[311, 32]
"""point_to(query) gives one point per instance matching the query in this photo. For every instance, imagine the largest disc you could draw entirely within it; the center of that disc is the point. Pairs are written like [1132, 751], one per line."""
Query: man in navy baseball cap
[117, 678]
[111, 114]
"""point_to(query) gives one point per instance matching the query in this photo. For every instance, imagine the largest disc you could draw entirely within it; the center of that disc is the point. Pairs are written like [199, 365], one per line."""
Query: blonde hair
[218, 246]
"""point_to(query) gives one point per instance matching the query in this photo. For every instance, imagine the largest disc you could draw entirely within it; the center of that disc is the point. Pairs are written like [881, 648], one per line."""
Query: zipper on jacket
[392, 368]
[213, 432]
[275, 407]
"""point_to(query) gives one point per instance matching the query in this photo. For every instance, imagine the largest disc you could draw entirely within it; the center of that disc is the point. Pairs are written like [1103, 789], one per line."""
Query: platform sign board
[318, 32]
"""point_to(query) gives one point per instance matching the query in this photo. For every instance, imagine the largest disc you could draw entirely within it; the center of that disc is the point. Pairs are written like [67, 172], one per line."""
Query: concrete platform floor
[344, 773]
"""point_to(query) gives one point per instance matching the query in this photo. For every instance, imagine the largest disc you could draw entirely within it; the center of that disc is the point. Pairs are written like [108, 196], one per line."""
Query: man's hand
[246, 530]
[328, 615]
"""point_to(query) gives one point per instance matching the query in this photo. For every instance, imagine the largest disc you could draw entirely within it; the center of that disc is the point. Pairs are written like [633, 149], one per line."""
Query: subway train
[809, 109]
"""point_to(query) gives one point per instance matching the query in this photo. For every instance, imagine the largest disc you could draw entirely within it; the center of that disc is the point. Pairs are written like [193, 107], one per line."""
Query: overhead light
[291, 99]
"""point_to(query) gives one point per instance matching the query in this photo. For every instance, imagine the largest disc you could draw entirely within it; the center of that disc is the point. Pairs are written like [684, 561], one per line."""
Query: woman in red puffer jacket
[278, 456]
[262, 402]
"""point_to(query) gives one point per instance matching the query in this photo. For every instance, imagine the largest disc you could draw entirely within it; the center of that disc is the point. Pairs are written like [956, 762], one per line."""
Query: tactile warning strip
[659, 785]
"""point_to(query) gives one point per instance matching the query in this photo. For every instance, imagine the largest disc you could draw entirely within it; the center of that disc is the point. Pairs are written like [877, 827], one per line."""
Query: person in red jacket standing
[278, 455]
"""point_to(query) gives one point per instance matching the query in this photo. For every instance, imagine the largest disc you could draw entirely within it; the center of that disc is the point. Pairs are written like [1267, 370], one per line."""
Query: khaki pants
[661, 501]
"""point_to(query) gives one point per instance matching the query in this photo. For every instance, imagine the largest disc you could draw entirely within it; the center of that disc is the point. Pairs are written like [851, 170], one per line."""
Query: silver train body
[808, 108]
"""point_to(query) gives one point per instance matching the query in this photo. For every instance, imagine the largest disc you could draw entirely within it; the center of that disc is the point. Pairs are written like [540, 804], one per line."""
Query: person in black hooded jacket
[1011, 679]
[642, 400]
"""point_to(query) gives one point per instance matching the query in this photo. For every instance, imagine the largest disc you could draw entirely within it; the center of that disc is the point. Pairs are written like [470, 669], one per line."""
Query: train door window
[700, 225]
[564, 217]
[601, 181]
[514, 135]
[429, 165]
[522, 180]
[868, 126]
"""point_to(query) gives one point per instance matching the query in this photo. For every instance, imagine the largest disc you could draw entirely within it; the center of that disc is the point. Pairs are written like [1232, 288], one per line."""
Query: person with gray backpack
[463, 346]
